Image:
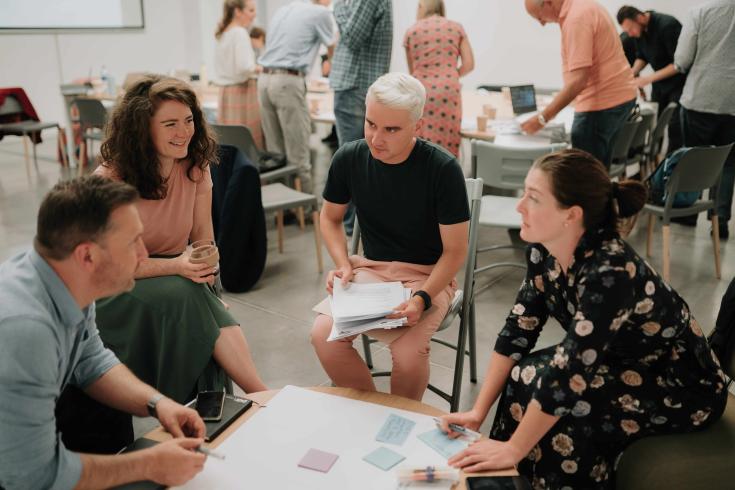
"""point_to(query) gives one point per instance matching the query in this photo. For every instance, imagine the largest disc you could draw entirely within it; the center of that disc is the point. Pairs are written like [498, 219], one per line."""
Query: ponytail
[228, 12]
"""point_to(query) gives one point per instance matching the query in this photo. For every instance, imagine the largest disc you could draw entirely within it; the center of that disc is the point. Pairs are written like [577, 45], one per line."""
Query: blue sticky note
[439, 442]
[395, 430]
[384, 458]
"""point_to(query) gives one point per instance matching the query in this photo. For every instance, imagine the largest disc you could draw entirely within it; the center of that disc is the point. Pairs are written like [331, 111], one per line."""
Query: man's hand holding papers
[365, 306]
[344, 273]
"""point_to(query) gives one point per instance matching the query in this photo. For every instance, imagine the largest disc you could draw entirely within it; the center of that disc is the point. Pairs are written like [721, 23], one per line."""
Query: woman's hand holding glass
[199, 273]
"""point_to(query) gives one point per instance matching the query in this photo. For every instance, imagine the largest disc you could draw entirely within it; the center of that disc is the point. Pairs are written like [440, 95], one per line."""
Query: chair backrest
[10, 106]
[644, 130]
[238, 136]
[505, 167]
[623, 139]
[657, 136]
[699, 169]
[92, 113]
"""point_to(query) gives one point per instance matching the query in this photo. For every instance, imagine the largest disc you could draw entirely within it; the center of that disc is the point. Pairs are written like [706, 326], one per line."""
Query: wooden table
[384, 399]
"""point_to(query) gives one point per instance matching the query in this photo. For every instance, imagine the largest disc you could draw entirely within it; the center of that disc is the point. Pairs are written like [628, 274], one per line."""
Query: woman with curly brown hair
[633, 361]
[170, 330]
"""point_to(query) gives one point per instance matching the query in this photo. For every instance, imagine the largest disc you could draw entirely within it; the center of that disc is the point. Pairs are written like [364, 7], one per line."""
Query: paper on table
[384, 458]
[395, 430]
[439, 442]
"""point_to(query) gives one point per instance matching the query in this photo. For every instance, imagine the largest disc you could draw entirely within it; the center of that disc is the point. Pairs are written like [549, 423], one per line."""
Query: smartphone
[210, 404]
[497, 483]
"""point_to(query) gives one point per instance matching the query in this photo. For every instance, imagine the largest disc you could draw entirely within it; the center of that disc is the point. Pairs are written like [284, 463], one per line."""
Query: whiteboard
[71, 14]
[265, 451]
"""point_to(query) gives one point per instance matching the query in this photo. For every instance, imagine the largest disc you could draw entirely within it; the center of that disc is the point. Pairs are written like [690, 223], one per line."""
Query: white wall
[41, 62]
[510, 47]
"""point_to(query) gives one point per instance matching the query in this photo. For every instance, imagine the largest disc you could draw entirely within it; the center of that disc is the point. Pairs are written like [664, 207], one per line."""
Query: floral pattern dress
[633, 363]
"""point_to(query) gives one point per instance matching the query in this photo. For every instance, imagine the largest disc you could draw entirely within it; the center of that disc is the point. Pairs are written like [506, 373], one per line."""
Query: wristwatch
[152, 404]
[425, 296]
[541, 119]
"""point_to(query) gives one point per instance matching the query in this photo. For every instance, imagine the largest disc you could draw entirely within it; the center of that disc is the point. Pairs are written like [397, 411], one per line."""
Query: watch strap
[152, 404]
[424, 296]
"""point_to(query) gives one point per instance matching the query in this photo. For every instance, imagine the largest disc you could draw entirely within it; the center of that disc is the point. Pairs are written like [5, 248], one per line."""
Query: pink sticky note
[318, 460]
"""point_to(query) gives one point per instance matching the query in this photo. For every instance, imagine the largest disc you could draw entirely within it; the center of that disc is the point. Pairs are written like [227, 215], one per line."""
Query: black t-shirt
[400, 206]
[657, 46]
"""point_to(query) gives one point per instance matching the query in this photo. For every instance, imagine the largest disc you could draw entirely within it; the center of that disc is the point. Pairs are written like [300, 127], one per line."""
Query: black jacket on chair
[239, 220]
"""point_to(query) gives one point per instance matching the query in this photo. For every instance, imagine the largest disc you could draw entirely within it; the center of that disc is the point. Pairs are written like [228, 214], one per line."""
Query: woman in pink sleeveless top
[434, 46]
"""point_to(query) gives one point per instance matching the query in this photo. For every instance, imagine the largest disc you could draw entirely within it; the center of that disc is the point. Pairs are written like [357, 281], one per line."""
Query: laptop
[523, 99]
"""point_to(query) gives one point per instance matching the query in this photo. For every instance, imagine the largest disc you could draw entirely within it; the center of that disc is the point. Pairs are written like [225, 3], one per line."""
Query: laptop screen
[523, 98]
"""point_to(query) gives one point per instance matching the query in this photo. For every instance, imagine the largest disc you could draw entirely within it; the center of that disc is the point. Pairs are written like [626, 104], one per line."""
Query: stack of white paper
[360, 307]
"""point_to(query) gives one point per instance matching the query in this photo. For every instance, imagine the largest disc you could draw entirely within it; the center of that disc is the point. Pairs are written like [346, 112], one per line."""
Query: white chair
[503, 167]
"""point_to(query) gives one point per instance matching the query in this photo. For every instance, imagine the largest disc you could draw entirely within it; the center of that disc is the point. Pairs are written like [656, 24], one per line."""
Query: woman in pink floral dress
[434, 47]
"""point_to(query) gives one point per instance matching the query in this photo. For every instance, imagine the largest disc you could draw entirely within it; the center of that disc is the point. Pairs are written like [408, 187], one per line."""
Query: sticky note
[384, 458]
[439, 442]
[315, 459]
[395, 430]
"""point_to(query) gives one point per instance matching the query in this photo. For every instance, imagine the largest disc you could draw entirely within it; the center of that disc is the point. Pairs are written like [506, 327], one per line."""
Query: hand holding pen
[454, 431]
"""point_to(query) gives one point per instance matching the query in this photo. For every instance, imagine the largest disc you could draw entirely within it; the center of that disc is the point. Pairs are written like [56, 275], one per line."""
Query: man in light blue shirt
[294, 36]
[88, 245]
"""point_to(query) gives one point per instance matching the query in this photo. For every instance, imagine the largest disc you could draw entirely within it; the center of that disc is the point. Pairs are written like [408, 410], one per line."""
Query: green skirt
[164, 330]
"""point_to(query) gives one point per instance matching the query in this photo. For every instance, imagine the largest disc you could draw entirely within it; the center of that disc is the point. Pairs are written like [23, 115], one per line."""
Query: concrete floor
[276, 315]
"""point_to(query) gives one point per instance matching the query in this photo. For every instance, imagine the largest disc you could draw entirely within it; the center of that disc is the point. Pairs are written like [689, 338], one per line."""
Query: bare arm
[638, 65]
[333, 234]
[202, 228]
[534, 425]
[576, 82]
[662, 74]
[467, 57]
[454, 245]
[121, 389]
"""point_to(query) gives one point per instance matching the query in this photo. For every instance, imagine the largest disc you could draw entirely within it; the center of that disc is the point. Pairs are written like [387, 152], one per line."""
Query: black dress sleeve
[529, 313]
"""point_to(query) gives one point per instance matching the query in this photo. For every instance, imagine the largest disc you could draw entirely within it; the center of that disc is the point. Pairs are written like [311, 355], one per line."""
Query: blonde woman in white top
[234, 62]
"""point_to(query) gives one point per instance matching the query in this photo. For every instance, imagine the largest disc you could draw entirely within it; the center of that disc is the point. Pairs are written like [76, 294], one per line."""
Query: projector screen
[71, 14]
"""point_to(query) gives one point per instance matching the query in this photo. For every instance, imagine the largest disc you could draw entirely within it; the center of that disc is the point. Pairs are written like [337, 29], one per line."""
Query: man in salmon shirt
[597, 77]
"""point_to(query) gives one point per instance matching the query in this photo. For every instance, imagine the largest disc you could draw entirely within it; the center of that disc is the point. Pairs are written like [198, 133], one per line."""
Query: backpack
[660, 177]
[722, 338]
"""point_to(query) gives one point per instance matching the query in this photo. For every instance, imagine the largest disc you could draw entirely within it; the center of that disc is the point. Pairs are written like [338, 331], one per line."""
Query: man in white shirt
[294, 36]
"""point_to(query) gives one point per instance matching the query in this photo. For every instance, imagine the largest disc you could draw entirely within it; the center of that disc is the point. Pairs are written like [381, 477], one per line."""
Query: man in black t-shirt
[656, 36]
[412, 208]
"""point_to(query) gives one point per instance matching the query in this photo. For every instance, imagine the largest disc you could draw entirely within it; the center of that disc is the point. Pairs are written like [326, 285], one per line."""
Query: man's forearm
[121, 389]
[444, 271]
[103, 471]
[335, 241]
[664, 73]
[568, 93]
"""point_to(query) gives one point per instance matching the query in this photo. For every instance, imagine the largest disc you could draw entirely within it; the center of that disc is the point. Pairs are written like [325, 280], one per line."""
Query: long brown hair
[579, 179]
[228, 12]
[128, 147]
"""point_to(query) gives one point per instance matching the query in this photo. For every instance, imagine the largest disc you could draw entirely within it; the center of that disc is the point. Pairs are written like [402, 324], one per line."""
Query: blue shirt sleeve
[31, 453]
[95, 359]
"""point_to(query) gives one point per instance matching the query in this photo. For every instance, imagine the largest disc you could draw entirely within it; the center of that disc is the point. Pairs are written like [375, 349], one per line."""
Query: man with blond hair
[412, 208]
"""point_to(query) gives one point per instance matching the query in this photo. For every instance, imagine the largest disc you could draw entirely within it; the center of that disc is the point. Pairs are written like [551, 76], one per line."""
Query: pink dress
[432, 45]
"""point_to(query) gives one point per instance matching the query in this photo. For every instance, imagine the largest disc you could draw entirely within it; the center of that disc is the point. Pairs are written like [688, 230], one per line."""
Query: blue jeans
[706, 128]
[594, 131]
[349, 115]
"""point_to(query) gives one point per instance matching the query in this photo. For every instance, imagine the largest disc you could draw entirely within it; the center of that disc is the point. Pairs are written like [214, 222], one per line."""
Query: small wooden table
[379, 398]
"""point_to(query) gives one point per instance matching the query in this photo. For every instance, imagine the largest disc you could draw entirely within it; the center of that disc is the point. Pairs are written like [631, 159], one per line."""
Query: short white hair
[399, 91]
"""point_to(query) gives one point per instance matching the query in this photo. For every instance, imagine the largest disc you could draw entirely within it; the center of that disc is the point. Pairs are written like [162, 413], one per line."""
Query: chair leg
[716, 243]
[82, 157]
[35, 157]
[279, 227]
[318, 240]
[649, 235]
[666, 229]
[26, 153]
[366, 349]
[473, 344]
[61, 148]
[299, 210]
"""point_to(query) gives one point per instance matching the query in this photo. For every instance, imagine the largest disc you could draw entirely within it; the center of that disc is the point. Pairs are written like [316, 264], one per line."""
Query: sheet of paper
[314, 459]
[360, 299]
[439, 442]
[384, 458]
[395, 430]
[265, 451]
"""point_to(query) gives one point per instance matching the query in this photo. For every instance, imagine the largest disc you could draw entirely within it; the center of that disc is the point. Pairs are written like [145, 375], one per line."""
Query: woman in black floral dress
[633, 361]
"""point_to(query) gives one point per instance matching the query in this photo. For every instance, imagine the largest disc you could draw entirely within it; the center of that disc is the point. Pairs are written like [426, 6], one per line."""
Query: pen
[209, 452]
[468, 433]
